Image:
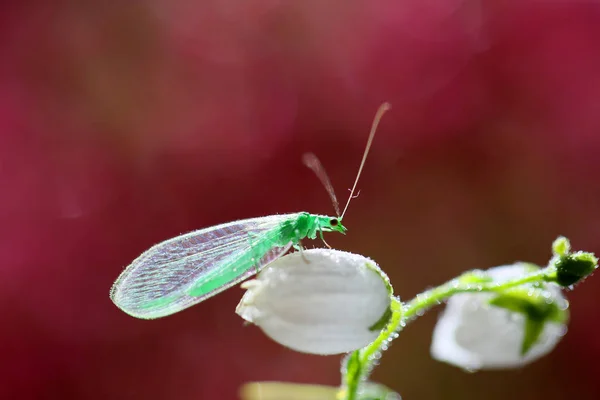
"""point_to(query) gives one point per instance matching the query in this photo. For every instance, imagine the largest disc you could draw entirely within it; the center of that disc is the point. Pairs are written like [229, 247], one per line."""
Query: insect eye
[333, 222]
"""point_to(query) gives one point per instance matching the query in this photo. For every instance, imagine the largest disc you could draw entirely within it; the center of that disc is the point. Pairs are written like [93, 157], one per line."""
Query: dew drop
[563, 330]
[564, 305]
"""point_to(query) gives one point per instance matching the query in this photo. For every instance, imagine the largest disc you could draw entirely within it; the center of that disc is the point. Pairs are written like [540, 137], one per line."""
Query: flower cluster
[325, 301]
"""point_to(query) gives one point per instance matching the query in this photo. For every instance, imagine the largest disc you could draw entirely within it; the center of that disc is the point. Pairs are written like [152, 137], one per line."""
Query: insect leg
[323, 239]
[301, 250]
[298, 246]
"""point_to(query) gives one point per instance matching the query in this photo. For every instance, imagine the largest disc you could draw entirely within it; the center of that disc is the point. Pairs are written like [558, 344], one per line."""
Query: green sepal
[474, 277]
[386, 280]
[531, 303]
[383, 321]
[533, 330]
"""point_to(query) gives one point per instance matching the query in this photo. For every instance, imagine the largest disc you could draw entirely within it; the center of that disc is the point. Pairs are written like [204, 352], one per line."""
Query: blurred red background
[124, 124]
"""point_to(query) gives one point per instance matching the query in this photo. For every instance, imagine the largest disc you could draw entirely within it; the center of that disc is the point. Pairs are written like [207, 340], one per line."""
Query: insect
[185, 270]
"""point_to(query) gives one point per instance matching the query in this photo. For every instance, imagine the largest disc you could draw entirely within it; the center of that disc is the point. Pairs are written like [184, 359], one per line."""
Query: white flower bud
[300, 391]
[472, 334]
[320, 301]
[287, 391]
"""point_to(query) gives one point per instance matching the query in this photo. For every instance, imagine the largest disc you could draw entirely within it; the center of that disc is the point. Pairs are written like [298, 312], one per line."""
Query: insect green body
[291, 231]
[185, 270]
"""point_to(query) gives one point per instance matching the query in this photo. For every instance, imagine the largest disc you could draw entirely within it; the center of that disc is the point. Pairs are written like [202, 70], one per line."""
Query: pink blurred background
[125, 123]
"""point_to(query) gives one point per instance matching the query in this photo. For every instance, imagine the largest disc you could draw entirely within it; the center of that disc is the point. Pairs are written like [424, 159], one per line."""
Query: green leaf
[351, 373]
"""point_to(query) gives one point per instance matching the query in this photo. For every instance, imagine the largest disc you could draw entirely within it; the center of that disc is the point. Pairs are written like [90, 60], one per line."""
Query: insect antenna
[312, 162]
[380, 111]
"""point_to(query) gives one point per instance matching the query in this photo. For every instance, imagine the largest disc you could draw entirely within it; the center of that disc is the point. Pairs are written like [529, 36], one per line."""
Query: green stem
[468, 283]
[358, 365]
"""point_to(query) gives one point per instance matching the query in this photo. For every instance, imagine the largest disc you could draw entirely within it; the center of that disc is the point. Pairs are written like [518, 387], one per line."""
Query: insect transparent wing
[156, 284]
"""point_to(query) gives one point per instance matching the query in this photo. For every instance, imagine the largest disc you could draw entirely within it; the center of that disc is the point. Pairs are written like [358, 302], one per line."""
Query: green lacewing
[185, 270]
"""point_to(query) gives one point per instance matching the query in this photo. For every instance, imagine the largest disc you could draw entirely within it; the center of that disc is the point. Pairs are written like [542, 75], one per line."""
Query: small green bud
[573, 267]
[561, 246]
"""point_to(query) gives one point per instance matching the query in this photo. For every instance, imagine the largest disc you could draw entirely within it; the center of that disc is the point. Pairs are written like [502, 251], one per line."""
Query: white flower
[472, 334]
[319, 301]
